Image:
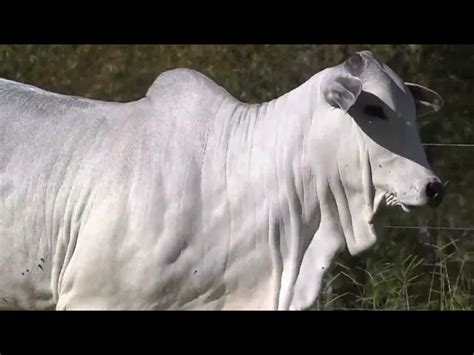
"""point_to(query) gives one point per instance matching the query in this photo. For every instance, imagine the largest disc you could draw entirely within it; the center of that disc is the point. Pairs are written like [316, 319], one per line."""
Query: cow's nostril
[435, 193]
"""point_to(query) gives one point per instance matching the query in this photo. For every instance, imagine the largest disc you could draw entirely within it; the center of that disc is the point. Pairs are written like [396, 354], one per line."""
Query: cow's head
[375, 146]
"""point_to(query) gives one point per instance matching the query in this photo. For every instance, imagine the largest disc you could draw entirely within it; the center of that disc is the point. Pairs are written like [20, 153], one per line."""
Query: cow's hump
[184, 82]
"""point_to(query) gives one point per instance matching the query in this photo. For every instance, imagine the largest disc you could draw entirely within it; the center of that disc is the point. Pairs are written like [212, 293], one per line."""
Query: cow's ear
[355, 64]
[342, 91]
[427, 101]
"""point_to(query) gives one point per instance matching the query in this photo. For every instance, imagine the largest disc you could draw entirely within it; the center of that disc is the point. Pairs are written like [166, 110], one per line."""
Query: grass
[438, 280]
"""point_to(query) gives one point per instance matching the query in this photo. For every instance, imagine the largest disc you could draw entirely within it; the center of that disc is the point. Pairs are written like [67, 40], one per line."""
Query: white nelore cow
[191, 199]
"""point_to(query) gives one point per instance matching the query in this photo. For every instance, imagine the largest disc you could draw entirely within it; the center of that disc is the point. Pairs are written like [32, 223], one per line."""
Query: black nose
[435, 193]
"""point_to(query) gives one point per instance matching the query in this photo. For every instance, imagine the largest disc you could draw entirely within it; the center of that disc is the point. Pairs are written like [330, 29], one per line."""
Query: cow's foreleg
[316, 261]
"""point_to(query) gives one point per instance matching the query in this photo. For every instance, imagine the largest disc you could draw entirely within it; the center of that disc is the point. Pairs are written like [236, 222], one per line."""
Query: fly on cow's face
[375, 111]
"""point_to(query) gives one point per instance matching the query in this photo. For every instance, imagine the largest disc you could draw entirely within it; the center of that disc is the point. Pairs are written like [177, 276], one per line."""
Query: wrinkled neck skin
[318, 190]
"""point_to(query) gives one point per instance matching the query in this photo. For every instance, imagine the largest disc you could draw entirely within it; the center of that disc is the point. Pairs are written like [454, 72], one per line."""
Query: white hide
[191, 199]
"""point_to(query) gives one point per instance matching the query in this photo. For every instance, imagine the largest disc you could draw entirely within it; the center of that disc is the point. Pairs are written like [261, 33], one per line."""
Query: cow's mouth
[392, 200]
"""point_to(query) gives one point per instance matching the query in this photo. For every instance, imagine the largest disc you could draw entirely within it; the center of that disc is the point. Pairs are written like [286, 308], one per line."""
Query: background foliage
[408, 268]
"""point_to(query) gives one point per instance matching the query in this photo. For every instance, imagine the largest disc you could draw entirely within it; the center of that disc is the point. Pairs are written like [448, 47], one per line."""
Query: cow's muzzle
[435, 192]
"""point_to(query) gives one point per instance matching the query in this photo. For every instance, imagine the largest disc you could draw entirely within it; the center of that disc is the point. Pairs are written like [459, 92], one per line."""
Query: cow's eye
[375, 111]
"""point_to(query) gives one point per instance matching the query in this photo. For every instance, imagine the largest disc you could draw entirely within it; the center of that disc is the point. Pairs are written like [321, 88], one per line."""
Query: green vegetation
[408, 268]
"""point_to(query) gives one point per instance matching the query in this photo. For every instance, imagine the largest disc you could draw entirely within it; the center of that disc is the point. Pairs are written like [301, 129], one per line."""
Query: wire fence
[432, 227]
[367, 309]
[458, 145]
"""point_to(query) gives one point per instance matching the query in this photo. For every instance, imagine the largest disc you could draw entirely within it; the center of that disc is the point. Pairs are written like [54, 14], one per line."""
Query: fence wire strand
[462, 145]
[431, 227]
